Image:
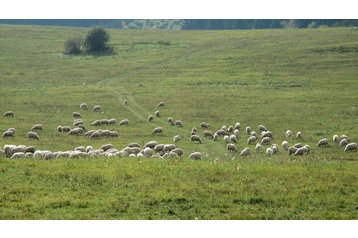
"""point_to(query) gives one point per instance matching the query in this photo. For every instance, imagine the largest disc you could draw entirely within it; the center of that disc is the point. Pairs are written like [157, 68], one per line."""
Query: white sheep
[231, 147]
[161, 104]
[18, 155]
[12, 129]
[89, 148]
[80, 148]
[150, 118]
[298, 145]
[20, 148]
[124, 122]
[133, 144]
[258, 148]
[103, 122]
[323, 142]
[157, 131]
[106, 147]
[33, 135]
[221, 132]
[230, 129]
[151, 144]
[285, 145]
[8, 134]
[112, 121]
[251, 140]
[343, 142]
[179, 123]
[204, 125]
[344, 137]
[125, 102]
[236, 133]
[95, 135]
[269, 151]
[237, 126]
[83, 106]
[274, 148]
[248, 130]
[76, 114]
[9, 114]
[157, 113]
[245, 152]
[195, 156]
[90, 132]
[113, 134]
[59, 128]
[194, 138]
[171, 121]
[178, 151]
[233, 138]
[224, 128]
[7, 149]
[208, 134]
[335, 139]
[266, 140]
[96, 108]
[253, 133]
[169, 147]
[299, 135]
[227, 139]
[288, 133]
[147, 152]
[266, 134]
[262, 128]
[303, 150]
[215, 137]
[159, 147]
[176, 138]
[351, 147]
[37, 127]
[105, 133]
[96, 123]
[75, 131]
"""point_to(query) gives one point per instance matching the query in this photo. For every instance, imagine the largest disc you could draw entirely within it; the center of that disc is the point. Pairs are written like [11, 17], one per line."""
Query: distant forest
[190, 24]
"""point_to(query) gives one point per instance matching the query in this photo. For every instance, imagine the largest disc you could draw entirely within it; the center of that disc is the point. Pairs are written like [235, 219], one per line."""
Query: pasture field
[298, 79]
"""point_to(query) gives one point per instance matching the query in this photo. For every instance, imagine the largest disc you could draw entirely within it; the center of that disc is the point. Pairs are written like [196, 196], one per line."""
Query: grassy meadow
[298, 79]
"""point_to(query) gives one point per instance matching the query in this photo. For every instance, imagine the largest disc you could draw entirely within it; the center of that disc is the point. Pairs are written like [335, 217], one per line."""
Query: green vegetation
[298, 79]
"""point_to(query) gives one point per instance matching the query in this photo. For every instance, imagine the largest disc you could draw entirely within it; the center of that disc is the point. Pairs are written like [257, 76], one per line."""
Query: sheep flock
[263, 141]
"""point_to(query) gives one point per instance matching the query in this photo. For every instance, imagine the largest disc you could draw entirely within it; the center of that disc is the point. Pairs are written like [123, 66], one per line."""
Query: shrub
[97, 40]
[73, 45]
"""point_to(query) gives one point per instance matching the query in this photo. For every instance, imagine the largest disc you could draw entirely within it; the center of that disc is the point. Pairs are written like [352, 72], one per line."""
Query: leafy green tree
[97, 40]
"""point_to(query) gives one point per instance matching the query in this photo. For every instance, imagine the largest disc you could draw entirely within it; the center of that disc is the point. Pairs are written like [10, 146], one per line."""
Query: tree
[73, 45]
[97, 40]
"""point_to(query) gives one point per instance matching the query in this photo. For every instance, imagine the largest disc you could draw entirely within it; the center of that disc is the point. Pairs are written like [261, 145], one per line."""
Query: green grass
[300, 79]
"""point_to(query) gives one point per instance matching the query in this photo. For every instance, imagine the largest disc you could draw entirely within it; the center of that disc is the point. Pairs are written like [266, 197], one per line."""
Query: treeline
[190, 24]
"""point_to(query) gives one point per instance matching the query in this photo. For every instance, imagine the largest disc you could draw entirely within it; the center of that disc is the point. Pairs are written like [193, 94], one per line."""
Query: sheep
[285, 145]
[59, 128]
[33, 135]
[262, 128]
[80, 148]
[193, 133]
[343, 143]
[251, 140]
[48, 155]
[66, 129]
[113, 134]
[161, 104]
[7, 149]
[125, 102]
[215, 137]
[103, 122]
[151, 144]
[266, 134]
[124, 122]
[76, 114]
[30, 149]
[171, 121]
[90, 132]
[245, 152]
[233, 138]
[351, 147]
[335, 139]
[12, 129]
[157, 113]
[299, 135]
[8, 134]
[169, 147]
[178, 151]
[9, 114]
[157, 131]
[195, 156]
[112, 121]
[227, 139]
[89, 148]
[18, 155]
[224, 128]
[237, 126]
[323, 142]
[236, 133]
[105, 133]
[179, 123]
[147, 152]
[292, 150]
[266, 140]
[194, 138]
[29, 155]
[231, 147]
[135, 150]
[303, 150]
[37, 127]
[248, 130]
[106, 147]
[288, 133]
[298, 145]
[16, 149]
[77, 123]
[96, 108]
[269, 151]
[204, 125]
[131, 145]
[159, 147]
[83, 106]
[230, 129]
[96, 123]
[169, 155]
[75, 131]
[258, 148]
[344, 137]
[95, 135]
[274, 148]
[176, 138]
[208, 134]
[221, 132]
[253, 133]
[150, 118]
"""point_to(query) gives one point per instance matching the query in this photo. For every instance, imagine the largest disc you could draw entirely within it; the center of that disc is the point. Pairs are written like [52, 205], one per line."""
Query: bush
[97, 40]
[73, 45]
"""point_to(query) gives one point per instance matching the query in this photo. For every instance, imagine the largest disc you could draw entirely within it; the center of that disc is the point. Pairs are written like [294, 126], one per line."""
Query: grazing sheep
[157, 131]
[76, 114]
[253, 133]
[178, 151]
[224, 128]
[236, 133]
[298, 145]
[82, 127]
[227, 139]
[151, 144]
[336, 139]
[159, 147]
[7, 149]
[323, 142]
[231, 147]
[169, 147]
[96, 108]
[221, 132]
[171, 121]
[299, 135]
[285, 145]
[89, 148]
[81, 148]
[248, 130]
[161, 104]
[344, 137]
[105, 133]
[169, 155]
[233, 138]
[351, 147]
[9, 114]
[193, 133]
[230, 129]
[18, 155]
[266, 140]
[33, 135]
[179, 123]
[266, 134]
[59, 128]
[37, 127]
[269, 151]
[194, 138]
[150, 118]
[262, 128]
[96, 123]
[15, 149]
[75, 131]
[8, 134]
[176, 138]
[343, 142]
[258, 148]
[83, 106]
[147, 152]
[131, 145]
[208, 134]
[251, 140]
[124, 122]
[103, 122]
[106, 147]
[66, 129]
[274, 148]
[77, 122]
[30, 149]
[195, 156]
[12, 129]
[157, 114]
[305, 150]
[245, 152]
[292, 150]
[204, 125]
[288, 133]
[215, 137]
[113, 134]
[112, 121]
[125, 103]
[237, 126]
